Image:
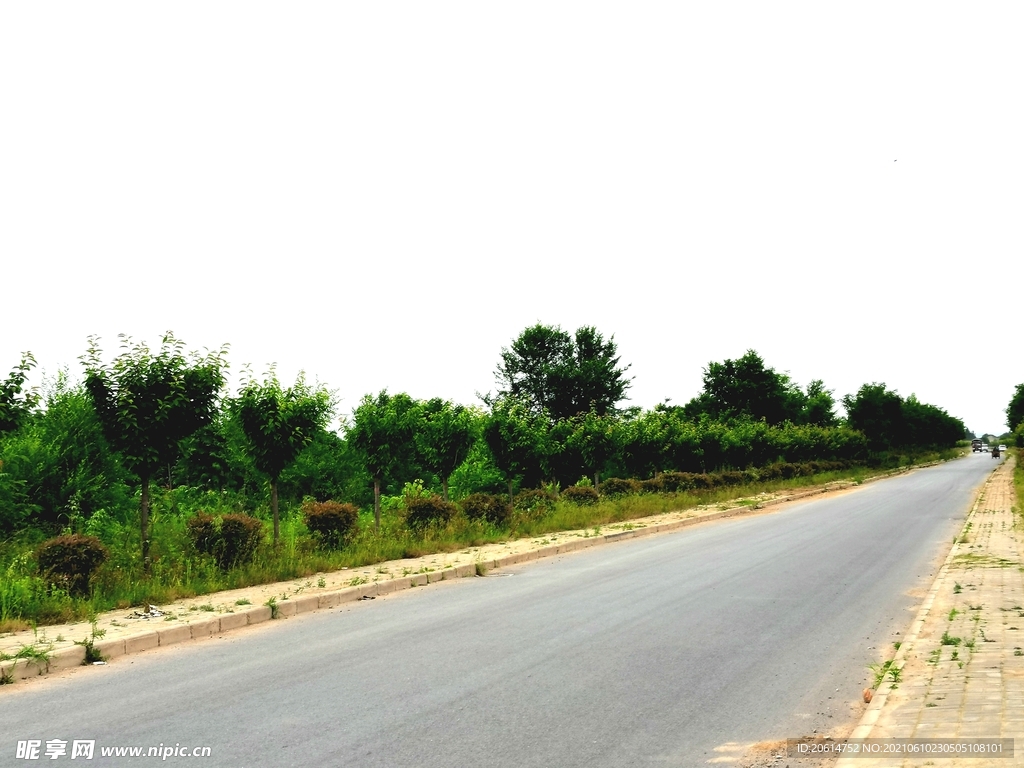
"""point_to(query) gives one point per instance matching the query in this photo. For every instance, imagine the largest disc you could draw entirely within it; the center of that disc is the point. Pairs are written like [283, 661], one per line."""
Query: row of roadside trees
[557, 417]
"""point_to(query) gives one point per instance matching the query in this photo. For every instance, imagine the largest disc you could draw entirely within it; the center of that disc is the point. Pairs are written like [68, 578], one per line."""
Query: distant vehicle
[995, 452]
[976, 445]
[1002, 447]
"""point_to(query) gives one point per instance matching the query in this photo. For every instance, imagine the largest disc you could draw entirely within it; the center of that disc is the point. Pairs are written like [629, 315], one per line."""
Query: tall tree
[746, 387]
[444, 435]
[15, 402]
[1015, 410]
[278, 423]
[382, 432]
[564, 375]
[148, 402]
[878, 413]
[517, 439]
[819, 408]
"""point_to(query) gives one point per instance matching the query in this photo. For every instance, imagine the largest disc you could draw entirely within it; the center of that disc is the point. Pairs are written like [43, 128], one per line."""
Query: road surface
[659, 651]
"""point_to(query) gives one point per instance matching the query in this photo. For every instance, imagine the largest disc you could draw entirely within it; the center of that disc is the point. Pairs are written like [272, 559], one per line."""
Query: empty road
[648, 652]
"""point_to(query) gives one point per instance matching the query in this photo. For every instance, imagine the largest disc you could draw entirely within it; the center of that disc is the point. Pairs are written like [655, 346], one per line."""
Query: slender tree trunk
[597, 479]
[144, 524]
[376, 504]
[444, 488]
[273, 506]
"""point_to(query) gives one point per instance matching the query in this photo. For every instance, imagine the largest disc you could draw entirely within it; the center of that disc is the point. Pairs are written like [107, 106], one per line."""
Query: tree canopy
[746, 388]
[1015, 410]
[148, 402]
[382, 432]
[278, 423]
[563, 375]
[15, 402]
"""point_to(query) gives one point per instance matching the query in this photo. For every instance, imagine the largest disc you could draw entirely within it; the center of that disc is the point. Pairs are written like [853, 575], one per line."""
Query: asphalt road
[648, 652]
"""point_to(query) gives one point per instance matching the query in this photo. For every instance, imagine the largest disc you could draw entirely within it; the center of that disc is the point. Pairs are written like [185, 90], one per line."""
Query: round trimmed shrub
[487, 506]
[673, 482]
[426, 510]
[534, 502]
[652, 485]
[732, 477]
[240, 537]
[615, 486]
[331, 521]
[70, 561]
[231, 541]
[202, 531]
[582, 495]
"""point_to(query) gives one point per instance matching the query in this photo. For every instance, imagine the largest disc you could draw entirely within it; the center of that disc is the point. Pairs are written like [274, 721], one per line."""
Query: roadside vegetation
[145, 482]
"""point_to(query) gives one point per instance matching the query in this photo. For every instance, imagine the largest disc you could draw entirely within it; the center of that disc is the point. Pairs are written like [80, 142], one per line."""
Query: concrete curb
[203, 628]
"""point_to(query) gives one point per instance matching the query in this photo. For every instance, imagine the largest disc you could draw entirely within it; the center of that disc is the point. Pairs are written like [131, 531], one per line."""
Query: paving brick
[66, 658]
[229, 621]
[173, 635]
[258, 614]
[329, 600]
[141, 642]
[306, 603]
[204, 628]
[110, 649]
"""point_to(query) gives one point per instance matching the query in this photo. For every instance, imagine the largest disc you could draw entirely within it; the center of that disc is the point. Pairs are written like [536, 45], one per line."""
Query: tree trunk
[273, 506]
[144, 524]
[376, 504]
[444, 488]
[597, 480]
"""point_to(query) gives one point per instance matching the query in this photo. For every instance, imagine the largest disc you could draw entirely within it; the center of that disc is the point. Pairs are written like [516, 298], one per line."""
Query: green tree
[1015, 410]
[15, 402]
[517, 439]
[382, 432]
[819, 407]
[562, 375]
[746, 388]
[278, 423]
[878, 413]
[596, 439]
[147, 403]
[444, 435]
[61, 461]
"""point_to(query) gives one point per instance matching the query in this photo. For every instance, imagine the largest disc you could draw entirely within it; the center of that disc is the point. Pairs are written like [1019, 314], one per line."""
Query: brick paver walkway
[962, 667]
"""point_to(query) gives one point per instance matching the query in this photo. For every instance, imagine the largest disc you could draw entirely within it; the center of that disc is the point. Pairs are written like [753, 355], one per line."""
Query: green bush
[202, 532]
[534, 501]
[673, 482]
[615, 486]
[425, 510]
[487, 506]
[732, 477]
[582, 495]
[652, 485]
[241, 536]
[232, 542]
[331, 521]
[70, 561]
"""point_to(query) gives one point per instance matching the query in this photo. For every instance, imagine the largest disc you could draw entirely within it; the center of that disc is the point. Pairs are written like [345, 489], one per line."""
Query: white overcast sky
[386, 193]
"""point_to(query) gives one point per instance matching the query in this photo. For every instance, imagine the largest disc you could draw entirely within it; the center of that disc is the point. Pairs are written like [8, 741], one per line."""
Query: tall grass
[179, 572]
